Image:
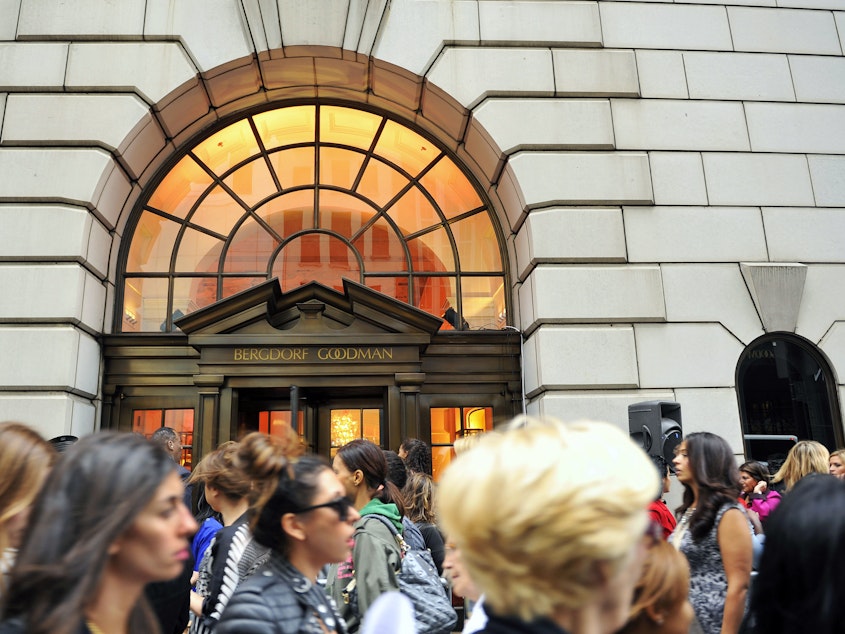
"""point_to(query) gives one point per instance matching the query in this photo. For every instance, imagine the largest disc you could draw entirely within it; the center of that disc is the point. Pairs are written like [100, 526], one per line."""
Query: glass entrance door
[347, 421]
[323, 423]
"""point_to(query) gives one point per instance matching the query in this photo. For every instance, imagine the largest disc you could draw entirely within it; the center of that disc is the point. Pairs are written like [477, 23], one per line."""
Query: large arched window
[314, 192]
[786, 388]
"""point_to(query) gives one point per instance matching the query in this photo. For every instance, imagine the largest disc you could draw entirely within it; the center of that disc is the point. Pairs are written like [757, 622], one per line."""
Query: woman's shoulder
[259, 604]
[726, 506]
[375, 524]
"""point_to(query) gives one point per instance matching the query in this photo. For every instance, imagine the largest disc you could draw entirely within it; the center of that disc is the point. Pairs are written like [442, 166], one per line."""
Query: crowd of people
[541, 527]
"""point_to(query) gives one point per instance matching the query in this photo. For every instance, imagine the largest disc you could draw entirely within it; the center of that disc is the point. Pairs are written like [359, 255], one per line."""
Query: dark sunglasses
[340, 505]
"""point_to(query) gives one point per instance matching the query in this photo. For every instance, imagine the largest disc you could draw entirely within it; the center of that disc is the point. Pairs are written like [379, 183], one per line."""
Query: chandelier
[345, 428]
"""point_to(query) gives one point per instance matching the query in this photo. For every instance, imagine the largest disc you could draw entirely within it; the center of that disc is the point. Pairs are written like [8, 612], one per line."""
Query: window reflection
[250, 249]
[472, 235]
[315, 192]
[413, 212]
[316, 257]
[152, 245]
[253, 182]
[451, 423]
[218, 212]
[286, 126]
[228, 147]
[181, 188]
[348, 127]
[451, 190]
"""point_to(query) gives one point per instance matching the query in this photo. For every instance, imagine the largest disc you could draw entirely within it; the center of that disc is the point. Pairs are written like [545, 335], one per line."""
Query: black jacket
[277, 599]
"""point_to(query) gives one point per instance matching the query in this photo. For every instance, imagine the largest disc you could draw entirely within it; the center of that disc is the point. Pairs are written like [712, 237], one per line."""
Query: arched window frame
[825, 367]
[458, 275]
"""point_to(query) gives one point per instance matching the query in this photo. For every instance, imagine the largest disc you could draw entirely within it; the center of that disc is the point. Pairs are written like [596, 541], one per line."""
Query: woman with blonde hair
[805, 457]
[555, 533]
[661, 604]
[466, 442]
[837, 464]
[25, 460]
[418, 495]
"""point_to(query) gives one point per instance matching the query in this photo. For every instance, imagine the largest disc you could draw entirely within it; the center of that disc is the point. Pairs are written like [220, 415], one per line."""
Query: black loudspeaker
[656, 427]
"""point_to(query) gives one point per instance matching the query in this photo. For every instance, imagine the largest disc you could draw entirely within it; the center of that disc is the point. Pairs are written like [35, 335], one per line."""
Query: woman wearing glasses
[303, 516]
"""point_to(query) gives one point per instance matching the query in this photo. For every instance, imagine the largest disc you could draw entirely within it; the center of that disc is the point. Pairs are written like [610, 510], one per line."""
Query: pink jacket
[763, 503]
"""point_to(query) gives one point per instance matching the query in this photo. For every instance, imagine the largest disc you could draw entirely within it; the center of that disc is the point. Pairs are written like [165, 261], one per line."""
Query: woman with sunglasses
[303, 516]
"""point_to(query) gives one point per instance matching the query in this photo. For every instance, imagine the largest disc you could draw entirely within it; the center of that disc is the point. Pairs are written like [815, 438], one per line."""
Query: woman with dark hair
[754, 478]
[801, 581]
[109, 520]
[713, 532]
[303, 516]
[417, 455]
[376, 558]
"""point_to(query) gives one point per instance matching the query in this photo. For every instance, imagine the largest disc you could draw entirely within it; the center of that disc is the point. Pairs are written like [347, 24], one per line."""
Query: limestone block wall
[637, 153]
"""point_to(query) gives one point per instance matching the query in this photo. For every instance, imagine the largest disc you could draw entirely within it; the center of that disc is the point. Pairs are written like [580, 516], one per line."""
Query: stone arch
[311, 72]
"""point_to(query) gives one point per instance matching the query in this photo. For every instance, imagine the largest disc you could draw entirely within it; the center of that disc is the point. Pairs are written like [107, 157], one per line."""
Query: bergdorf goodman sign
[312, 354]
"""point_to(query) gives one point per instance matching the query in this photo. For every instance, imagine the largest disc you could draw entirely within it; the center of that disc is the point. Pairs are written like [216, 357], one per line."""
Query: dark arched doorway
[786, 388]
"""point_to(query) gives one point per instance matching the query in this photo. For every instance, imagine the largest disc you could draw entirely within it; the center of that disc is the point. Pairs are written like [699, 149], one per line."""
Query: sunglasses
[340, 505]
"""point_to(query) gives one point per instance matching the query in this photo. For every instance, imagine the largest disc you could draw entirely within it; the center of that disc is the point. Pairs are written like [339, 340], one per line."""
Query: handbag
[418, 580]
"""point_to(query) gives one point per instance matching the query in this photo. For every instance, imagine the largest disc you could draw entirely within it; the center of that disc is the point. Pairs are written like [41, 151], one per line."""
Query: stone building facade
[667, 180]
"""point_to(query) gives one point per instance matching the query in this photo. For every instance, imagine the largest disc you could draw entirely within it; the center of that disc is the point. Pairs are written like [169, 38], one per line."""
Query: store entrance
[334, 366]
[326, 419]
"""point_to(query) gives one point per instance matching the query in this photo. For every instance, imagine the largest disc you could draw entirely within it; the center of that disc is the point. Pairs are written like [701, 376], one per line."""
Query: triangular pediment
[310, 311]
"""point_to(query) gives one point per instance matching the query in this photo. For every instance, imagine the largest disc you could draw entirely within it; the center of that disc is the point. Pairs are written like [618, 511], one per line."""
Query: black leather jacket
[277, 599]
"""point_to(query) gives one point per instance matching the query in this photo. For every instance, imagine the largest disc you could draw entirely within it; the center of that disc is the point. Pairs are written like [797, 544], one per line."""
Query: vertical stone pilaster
[208, 426]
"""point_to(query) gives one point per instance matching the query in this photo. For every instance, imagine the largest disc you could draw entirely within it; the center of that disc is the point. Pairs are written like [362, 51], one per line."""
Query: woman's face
[345, 476]
[837, 467]
[748, 483]
[328, 538]
[682, 466]
[455, 571]
[155, 547]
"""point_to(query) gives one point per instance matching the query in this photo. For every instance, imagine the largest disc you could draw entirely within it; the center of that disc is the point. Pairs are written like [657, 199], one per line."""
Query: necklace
[687, 515]
[678, 535]
[93, 628]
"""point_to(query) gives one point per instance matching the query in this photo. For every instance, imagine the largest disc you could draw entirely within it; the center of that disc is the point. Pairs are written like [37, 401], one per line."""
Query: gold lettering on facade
[302, 354]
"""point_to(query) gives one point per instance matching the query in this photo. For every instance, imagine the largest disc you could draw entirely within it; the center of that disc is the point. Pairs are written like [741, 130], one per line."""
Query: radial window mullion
[264, 154]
